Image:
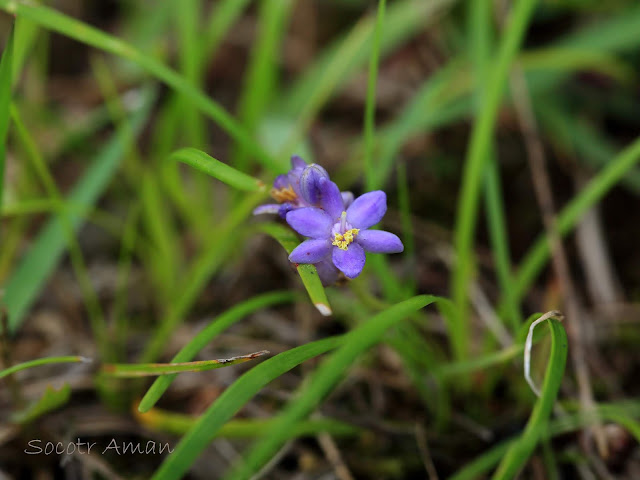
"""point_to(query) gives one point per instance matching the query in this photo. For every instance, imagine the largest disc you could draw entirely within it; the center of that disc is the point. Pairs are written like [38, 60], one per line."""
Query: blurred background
[112, 251]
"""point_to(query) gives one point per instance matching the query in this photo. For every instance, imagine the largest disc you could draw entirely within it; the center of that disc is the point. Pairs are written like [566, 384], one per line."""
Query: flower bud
[310, 183]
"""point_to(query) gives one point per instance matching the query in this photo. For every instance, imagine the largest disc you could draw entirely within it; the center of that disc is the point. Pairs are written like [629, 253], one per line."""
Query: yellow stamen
[285, 194]
[342, 240]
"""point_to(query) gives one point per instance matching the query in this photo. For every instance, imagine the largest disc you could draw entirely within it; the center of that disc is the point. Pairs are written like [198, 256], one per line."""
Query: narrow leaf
[121, 370]
[180, 423]
[220, 324]
[324, 380]
[42, 257]
[5, 101]
[50, 400]
[42, 361]
[308, 273]
[520, 451]
[209, 165]
[231, 401]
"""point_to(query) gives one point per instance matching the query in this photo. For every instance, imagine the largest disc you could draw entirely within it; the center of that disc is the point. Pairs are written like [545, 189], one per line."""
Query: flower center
[342, 240]
[343, 233]
[284, 194]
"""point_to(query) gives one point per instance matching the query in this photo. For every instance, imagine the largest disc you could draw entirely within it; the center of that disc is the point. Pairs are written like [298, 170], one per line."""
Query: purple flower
[339, 235]
[299, 188]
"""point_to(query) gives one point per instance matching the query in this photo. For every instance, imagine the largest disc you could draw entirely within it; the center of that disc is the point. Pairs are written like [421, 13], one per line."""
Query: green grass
[6, 80]
[233, 398]
[198, 342]
[189, 111]
[41, 361]
[519, 452]
[324, 380]
[39, 262]
[476, 159]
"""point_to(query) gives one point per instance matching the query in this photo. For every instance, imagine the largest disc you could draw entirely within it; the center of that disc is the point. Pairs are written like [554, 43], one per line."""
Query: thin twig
[423, 447]
[333, 455]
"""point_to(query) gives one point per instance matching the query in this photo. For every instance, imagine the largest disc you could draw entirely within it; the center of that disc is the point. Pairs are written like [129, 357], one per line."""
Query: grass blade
[232, 400]
[205, 264]
[6, 77]
[43, 255]
[370, 104]
[121, 370]
[180, 424]
[308, 273]
[570, 215]
[322, 80]
[477, 155]
[621, 413]
[324, 380]
[520, 451]
[261, 78]
[50, 400]
[223, 15]
[209, 165]
[216, 327]
[42, 361]
[82, 32]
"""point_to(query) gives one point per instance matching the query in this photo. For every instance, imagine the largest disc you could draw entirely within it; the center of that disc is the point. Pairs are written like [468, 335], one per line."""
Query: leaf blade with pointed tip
[133, 370]
[223, 172]
[197, 343]
[308, 273]
[232, 400]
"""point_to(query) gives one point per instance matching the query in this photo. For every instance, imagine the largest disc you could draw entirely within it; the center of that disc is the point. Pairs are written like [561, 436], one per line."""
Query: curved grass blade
[520, 451]
[221, 323]
[43, 255]
[43, 361]
[180, 423]
[53, 20]
[324, 380]
[209, 165]
[50, 400]
[6, 78]
[232, 400]
[308, 273]
[120, 370]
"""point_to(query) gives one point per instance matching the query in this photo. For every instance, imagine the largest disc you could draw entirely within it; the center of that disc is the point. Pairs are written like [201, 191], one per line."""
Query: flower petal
[268, 208]
[311, 251]
[330, 198]
[327, 272]
[285, 208]
[310, 222]
[367, 209]
[281, 181]
[293, 175]
[350, 261]
[310, 183]
[297, 162]
[379, 241]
